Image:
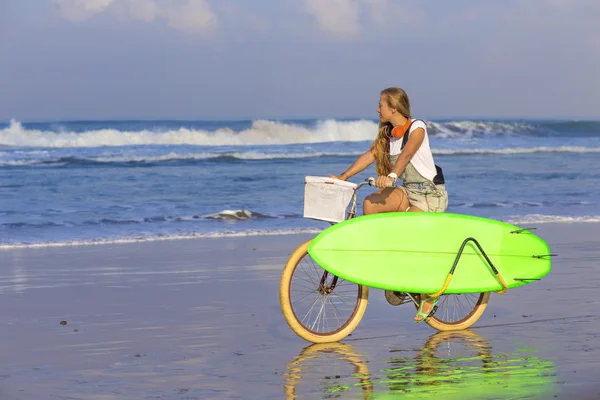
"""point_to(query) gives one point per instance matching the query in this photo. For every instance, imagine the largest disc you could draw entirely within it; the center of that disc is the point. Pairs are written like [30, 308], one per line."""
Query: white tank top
[422, 159]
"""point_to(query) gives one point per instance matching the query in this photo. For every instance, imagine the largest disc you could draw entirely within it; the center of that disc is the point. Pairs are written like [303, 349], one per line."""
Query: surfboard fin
[523, 230]
[544, 255]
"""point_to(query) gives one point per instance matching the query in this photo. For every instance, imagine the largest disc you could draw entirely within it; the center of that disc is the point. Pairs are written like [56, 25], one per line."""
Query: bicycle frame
[351, 214]
[352, 210]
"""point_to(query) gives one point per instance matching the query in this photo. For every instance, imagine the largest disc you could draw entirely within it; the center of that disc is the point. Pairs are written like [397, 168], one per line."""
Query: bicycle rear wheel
[318, 306]
[458, 311]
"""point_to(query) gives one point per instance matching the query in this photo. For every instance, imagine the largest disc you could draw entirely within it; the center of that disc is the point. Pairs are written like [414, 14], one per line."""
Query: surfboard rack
[487, 259]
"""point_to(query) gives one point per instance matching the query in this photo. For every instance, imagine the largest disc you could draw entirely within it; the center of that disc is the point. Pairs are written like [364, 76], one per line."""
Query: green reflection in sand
[461, 365]
[452, 365]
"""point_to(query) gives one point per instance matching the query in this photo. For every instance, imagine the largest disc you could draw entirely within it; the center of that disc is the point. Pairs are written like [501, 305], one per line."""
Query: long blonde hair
[398, 99]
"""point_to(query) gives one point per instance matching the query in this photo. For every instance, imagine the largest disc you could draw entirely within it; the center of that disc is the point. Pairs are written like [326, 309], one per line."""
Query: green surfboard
[414, 252]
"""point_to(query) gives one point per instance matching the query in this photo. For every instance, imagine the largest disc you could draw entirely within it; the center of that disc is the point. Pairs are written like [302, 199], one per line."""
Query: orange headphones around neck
[399, 131]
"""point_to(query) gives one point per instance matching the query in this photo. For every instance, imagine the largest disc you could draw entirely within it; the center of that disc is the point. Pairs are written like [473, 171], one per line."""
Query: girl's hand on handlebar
[384, 181]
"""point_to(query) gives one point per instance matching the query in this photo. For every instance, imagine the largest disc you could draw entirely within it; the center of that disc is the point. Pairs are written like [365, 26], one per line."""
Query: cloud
[143, 10]
[185, 15]
[244, 20]
[347, 19]
[79, 10]
[338, 17]
[193, 16]
[392, 13]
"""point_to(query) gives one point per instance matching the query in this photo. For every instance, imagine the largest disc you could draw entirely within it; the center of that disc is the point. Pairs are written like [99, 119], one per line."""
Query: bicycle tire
[305, 330]
[443, 321]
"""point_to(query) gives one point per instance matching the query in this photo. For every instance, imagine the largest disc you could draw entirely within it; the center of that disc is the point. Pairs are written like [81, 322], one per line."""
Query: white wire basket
[327, 199]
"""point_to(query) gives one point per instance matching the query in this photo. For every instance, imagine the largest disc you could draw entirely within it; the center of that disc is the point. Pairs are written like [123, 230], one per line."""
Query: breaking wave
[263, 132]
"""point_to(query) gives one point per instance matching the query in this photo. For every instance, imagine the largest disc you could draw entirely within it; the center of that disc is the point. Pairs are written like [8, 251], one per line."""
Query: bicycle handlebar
[371, 182]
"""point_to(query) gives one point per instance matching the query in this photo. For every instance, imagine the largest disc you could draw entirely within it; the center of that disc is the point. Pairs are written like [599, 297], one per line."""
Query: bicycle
[317, 324]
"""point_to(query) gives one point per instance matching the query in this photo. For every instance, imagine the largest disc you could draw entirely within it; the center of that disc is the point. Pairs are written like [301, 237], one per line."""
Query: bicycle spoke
[318, 306]
[455, 308]
[305, 296]
[335, 309]
[310, 311]
[342, 299]
[319, 314]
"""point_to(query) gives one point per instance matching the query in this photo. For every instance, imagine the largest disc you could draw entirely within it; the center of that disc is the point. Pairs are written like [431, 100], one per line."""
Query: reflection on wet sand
[324, 358]
[462, 364]
[458, 364]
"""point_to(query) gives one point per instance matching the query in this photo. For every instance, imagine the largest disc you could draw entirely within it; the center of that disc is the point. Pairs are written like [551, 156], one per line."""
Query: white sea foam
[251, 155]
[27, 162]
[476, 128]
[257, 155]
[519, 150]
[224, 215]
[493, 204]
[541, 219]
[171, 157]
[517, 220]
[260, 133]
[141, 239]
[233, 215]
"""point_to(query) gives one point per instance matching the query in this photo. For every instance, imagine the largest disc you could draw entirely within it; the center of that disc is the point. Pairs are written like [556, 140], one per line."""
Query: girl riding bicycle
[401, 150]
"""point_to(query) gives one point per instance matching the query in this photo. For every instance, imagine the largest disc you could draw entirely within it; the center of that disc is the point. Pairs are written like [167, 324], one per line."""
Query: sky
[228, 59]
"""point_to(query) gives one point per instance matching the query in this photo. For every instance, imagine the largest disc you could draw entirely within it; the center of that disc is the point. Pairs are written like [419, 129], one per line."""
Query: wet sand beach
[200, 319]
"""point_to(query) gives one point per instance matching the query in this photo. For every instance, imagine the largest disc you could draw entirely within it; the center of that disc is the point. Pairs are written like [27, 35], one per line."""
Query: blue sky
[209, 59]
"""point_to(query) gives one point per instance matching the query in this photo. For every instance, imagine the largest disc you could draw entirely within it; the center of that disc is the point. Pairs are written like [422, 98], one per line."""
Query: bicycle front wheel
[318, 306]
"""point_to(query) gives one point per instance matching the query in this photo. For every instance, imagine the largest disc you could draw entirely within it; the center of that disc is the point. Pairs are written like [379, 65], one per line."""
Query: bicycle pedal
[395, 298]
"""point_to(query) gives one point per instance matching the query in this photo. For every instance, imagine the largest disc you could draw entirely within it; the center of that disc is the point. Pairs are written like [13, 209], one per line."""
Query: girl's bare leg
[427, 306]
[386, 200]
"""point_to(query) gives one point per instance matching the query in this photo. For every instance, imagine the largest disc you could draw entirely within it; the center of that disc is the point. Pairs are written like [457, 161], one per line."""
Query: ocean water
[86, 182]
